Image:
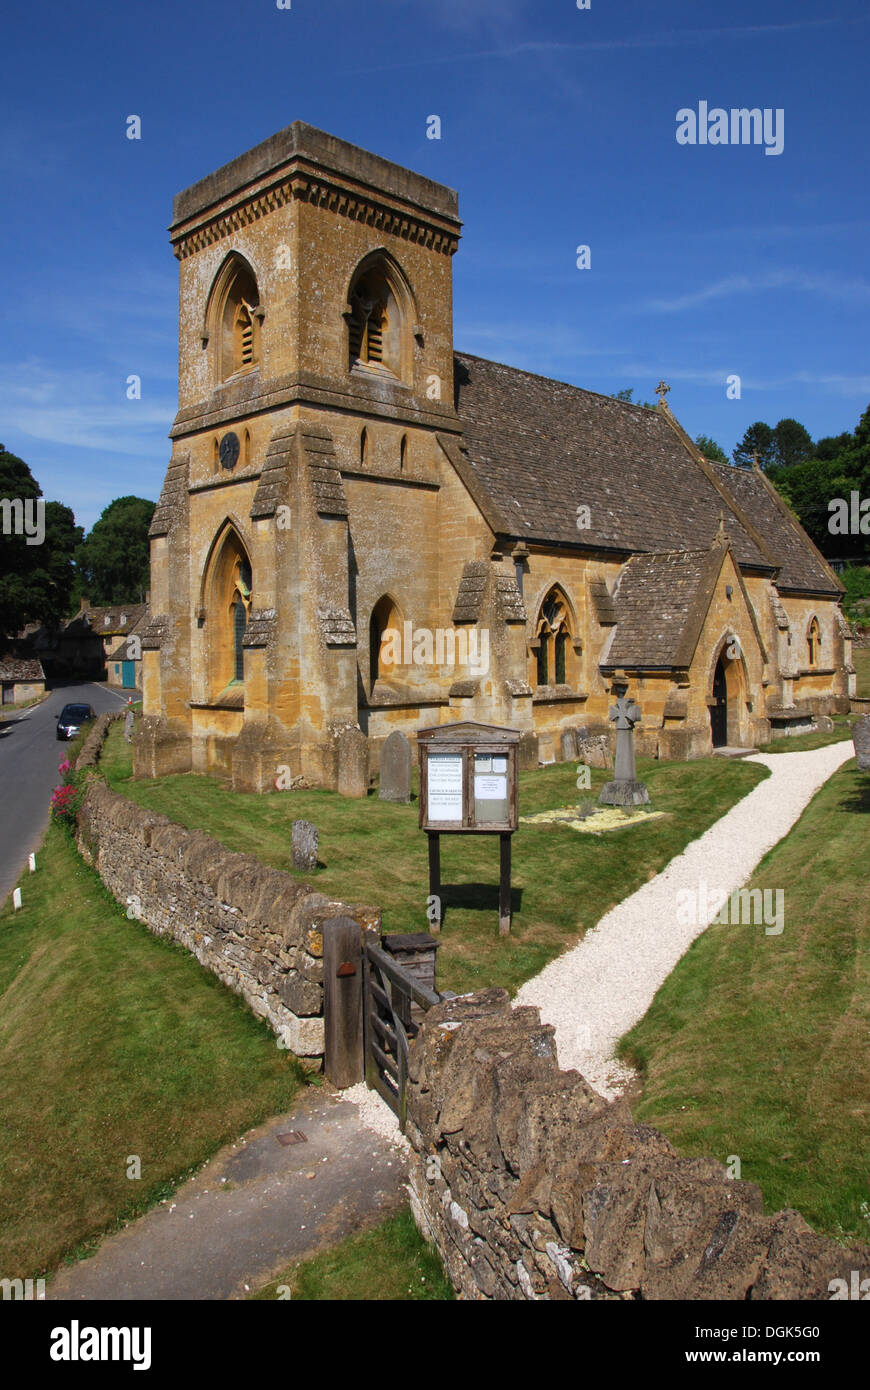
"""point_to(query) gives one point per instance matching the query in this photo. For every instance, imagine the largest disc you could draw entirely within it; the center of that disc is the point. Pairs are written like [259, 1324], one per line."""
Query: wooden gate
[394, 1005]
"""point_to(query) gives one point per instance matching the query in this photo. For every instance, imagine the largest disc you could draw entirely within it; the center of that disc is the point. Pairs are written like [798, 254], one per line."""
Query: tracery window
[553, 654]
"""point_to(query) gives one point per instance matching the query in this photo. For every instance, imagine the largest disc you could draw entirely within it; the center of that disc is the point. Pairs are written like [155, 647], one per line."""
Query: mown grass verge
[388, 1262]
[373, 852]
[113, 1044]
[756, 1045]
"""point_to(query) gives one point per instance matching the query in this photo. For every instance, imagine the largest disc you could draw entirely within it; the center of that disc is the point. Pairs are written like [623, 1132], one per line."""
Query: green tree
[812, 484]
[792, 444]
[113, 558]
[758, 440]
[627, 395]
[36, 567]
[832, 446]
[711, 450]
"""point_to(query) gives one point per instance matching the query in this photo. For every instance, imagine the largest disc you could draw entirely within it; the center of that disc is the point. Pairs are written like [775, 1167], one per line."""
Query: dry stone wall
[256, 928]
[534, 1187]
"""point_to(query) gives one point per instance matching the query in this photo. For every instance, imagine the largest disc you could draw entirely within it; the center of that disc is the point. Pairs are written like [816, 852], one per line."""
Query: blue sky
[558, 129]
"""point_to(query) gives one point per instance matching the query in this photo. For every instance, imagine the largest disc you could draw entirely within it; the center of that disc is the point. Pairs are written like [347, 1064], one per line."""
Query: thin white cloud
[671, 39]
[830, 286]
[83, 410]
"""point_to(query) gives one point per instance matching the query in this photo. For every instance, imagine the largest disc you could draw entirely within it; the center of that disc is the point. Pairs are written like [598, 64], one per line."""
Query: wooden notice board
[468, 785]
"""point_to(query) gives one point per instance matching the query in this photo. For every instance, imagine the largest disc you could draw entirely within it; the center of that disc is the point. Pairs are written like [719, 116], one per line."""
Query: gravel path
[600, 988]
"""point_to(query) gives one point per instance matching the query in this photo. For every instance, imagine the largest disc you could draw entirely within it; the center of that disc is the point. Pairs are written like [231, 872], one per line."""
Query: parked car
[71, 719]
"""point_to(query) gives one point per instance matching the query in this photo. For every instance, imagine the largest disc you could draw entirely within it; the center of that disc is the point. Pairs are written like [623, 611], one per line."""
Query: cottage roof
[19, 668]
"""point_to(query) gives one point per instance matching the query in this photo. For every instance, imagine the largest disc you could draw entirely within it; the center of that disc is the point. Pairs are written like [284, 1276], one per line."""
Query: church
[363, 530]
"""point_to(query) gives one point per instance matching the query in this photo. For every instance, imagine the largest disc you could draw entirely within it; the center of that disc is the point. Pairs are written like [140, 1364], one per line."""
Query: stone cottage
[363, 530]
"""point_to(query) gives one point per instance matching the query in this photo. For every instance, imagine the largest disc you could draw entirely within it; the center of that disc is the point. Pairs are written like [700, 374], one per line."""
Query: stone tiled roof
[21, 668]
[660, 604]
[800, 564]
[329, 494]
[336, 626]
[173, 496]
[132, 614]
[537, 449]
[260, 627]
[471, 590]
[272, 485]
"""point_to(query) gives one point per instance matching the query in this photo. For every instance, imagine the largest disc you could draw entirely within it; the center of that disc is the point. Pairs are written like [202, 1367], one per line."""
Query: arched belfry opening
[380, 317]
[233, 315]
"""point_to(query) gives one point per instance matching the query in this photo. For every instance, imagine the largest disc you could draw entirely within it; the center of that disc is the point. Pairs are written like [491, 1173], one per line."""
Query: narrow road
[29, 756]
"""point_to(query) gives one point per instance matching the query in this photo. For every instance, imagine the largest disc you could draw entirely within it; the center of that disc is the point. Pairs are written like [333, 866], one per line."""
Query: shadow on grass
[483, 897]
[859, 798]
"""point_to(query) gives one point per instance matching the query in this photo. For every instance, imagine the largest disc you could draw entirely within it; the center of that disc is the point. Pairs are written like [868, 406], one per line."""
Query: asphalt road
[29, 756]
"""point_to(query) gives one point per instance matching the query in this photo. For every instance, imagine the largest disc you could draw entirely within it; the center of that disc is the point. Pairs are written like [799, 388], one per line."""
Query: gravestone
[569, 745]
[395, 778]
[624, 790]
[304, 849]
[861, 740]
[353, 763]
[594, 749]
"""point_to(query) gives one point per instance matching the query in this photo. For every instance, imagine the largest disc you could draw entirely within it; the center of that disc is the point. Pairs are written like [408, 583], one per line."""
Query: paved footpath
[277, 1204]
[600, 988]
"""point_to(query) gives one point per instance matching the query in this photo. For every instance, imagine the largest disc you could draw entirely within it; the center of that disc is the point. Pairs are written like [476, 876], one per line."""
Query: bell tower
[315, 347]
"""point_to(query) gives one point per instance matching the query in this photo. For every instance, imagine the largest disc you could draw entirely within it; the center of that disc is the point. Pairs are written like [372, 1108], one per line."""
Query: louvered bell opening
[355, 339]
[247, 345]
[375, 342]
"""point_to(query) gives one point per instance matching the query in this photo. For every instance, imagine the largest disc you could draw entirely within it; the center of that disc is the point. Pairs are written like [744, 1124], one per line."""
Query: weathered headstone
[353, 763]
[594, 749]
[861, 740]
[625, 789]
[304, 848]
[569, 745]
[395, 778]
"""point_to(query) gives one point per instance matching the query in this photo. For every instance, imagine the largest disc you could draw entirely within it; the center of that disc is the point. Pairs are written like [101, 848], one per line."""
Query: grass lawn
[373, 852]
[113, 1043]
[757, 1045]
[390, 1261]
[861, 662]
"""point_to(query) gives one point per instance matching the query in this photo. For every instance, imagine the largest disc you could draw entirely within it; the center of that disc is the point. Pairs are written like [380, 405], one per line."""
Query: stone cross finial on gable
[662, 390]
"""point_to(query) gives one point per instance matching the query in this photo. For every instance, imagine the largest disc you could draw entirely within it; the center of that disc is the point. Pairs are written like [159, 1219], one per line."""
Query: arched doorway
[719, 708]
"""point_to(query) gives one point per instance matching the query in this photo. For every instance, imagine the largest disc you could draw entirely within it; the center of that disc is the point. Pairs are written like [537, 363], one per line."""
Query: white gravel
[376, 1115]
[600, 988]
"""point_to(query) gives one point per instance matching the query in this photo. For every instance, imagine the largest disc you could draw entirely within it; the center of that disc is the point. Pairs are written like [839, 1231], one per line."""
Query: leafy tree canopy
[711, 450]
[759, 440]
[792, 444]
[36, 551]
[113, 560]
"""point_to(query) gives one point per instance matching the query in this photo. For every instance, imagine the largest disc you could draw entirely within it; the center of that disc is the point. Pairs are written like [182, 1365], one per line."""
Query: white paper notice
[490, 788]
[444, 772]
[499, 764]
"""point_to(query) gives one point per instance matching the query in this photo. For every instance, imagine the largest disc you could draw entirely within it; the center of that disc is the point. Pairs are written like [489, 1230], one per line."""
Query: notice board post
[468, 786]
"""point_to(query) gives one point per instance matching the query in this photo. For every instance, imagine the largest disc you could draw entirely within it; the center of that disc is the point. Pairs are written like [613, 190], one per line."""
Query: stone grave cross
[624, 790]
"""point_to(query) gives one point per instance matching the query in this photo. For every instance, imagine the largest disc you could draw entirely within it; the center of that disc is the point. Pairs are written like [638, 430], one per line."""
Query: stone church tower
[361, 530]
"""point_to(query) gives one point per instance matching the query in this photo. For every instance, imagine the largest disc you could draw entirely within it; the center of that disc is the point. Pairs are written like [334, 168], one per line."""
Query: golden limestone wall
[356, 482]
